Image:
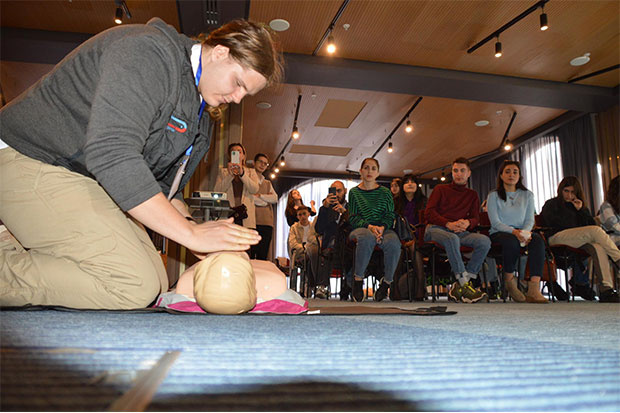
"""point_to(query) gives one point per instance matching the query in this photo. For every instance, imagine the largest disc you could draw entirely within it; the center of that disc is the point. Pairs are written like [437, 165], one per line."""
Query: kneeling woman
[371, 214]
[511, 212]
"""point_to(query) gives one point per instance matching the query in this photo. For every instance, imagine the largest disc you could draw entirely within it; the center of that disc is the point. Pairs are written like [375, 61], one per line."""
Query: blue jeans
[452, 242]
[366, 242]
[511, 251]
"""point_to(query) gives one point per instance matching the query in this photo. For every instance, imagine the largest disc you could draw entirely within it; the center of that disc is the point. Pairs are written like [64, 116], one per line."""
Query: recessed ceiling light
[581, 60]
[482, 122]
[407, 171]
[499, 112]
[263, 105]
[279, 25]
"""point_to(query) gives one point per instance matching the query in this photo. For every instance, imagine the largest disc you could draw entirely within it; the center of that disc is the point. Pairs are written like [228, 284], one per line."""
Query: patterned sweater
[371, 207]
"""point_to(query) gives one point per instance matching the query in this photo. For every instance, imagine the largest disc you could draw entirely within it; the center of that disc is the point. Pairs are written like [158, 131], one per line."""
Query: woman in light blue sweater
[511, 212]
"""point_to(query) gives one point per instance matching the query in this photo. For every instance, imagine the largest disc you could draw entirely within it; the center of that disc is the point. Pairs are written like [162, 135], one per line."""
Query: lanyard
[198, 75]
[202, 105]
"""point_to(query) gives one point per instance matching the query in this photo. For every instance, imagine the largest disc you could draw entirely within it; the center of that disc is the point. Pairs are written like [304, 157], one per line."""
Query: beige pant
[602, 246]
[81, 249]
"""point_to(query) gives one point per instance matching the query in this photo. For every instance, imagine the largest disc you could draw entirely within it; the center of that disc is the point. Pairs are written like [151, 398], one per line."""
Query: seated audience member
[408, 203]
[292, 204]
[303, 244]
[263, 201]
[395, 187]
[451, 212]
[511, 212]
[371, 214]
[610, 211]
[240, 184]
[332, 224]
[572, 224]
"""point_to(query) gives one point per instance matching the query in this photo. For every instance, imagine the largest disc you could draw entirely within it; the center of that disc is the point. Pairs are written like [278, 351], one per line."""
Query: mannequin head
[224, 283]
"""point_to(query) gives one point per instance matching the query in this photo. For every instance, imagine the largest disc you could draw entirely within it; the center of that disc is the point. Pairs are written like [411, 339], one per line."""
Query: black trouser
[261, 250]
[511, 250]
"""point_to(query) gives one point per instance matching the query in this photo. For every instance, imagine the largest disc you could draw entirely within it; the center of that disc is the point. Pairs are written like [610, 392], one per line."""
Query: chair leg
[484, 280]
[407, 271]
[433, 274]
[567, 285]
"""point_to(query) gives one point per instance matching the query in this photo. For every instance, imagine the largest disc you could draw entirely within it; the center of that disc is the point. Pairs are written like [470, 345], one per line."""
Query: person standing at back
[240, 183]
[90, 154]
[264, 200]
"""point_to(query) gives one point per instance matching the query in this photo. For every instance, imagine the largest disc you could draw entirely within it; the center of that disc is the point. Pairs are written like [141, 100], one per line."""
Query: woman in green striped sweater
[371, 214]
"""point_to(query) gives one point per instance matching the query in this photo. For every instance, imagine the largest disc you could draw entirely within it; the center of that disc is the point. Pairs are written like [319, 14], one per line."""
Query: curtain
[484, 178]
[541, 167]
[608, 143]
[578, 147]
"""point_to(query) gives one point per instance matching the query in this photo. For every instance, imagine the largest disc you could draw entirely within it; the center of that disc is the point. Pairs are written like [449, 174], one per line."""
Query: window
[542, 168]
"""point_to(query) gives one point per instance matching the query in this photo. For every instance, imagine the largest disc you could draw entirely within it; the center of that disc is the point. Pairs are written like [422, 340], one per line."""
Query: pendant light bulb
[295, 134]
[331, 46]
[443, 177]
[390, 148]
[508, 146]
[498, 48]
[276, 170]
[273, 176]
[409, 127]
[544, 23]
[282, 163]
[118, 17]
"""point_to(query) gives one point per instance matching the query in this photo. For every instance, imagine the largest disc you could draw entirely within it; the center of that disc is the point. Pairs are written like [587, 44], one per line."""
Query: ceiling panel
[443, 128]
[81, 16]
[438, 34]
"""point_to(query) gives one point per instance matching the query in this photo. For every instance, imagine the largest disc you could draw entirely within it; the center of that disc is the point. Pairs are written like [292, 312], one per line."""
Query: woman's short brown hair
[251, 44]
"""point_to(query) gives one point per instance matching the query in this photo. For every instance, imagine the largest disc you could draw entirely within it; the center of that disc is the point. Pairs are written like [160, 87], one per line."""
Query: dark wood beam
[453, 84]
[38, 46]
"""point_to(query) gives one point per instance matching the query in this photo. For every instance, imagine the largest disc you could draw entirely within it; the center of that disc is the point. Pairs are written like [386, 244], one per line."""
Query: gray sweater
[121, 108]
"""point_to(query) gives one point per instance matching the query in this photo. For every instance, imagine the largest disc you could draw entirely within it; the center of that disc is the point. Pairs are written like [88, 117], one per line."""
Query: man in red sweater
[451, 212]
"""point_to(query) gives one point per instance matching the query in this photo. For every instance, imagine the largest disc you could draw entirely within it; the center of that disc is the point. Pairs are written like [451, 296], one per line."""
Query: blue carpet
[295, 363]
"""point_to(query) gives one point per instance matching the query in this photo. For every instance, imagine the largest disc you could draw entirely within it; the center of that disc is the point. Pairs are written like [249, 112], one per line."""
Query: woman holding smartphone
[371, 214]
[240, 184]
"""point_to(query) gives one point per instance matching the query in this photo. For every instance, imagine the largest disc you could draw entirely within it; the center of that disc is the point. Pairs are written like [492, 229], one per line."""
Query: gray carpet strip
[294, 364]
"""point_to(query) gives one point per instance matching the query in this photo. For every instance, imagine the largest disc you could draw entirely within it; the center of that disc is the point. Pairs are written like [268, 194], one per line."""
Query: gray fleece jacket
[122, 108]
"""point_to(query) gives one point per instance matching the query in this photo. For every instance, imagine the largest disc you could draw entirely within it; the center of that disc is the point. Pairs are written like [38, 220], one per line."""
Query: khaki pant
[601, 247]
[81, 249]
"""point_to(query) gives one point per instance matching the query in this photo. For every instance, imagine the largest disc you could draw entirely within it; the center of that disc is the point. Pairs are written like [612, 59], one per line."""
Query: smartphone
[332, 190]
[234, 157]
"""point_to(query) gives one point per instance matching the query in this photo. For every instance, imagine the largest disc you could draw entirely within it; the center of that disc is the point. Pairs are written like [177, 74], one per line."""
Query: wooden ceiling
[438, 33]
[417, 34]
[434, 34]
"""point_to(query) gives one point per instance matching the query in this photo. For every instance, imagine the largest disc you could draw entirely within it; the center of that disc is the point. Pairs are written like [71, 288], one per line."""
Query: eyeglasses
[263, 162]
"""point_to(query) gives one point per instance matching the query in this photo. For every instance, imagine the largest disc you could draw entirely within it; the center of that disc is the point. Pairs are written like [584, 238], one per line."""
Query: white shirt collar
[195, 60]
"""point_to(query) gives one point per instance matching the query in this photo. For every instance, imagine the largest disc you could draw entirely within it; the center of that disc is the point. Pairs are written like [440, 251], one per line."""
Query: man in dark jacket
[332, 224]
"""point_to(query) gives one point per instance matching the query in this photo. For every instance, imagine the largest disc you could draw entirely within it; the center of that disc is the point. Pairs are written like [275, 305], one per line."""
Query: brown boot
[533, 293]
[513, 290]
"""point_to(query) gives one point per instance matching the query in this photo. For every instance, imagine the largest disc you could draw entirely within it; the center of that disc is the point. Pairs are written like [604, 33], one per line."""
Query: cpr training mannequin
[231, 283]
